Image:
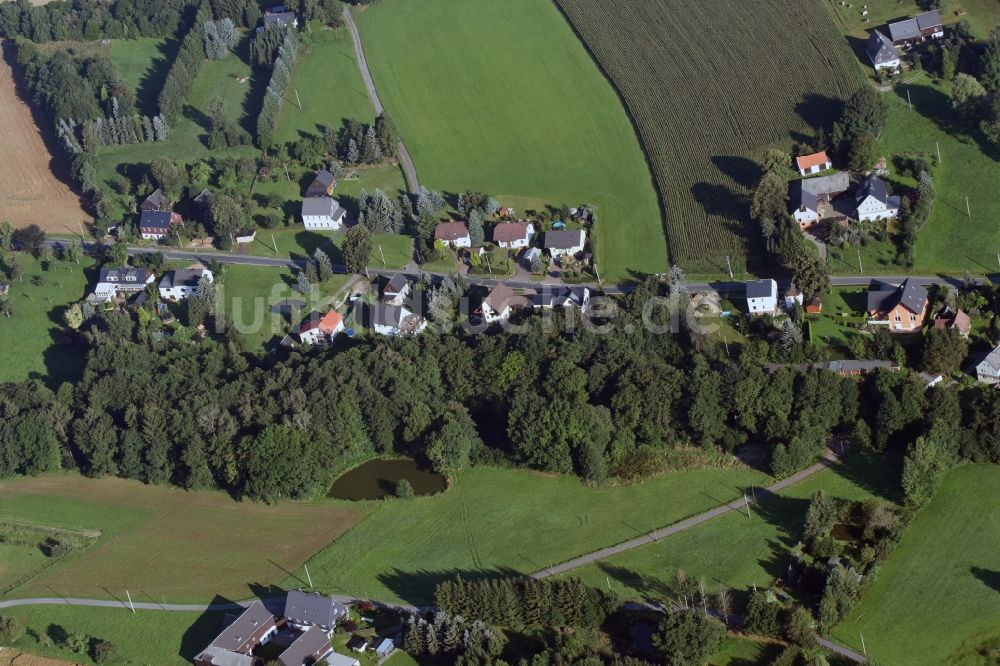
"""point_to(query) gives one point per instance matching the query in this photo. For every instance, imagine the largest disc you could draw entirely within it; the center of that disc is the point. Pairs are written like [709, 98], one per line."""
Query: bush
[101, 650]
[53, 547]
[404, 489]
[10, 630]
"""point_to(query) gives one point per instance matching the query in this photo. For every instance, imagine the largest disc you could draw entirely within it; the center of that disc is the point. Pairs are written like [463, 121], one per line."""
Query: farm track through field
[30, 192]
[707, 103]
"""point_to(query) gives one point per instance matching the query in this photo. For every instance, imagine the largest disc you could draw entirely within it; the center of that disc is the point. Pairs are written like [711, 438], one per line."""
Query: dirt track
[30, 193]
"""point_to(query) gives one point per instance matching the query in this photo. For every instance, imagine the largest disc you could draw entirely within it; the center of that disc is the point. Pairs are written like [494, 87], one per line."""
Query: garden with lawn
[937, 599]
[405, 547]
[33, 337]
[524, 113]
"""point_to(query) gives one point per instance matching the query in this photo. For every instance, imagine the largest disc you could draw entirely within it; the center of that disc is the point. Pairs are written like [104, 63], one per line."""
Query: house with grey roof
[988, 370]
[234, 646]
[874, 201]
[805, 205]
[881, 52]
[562, 242]
[155, 201]
[762, 296]
[310, 609]
[309, 648]
[322, 213]
[183, 283]
[917, 29]
[551, 297]
[396, 290]
[394, 320]
[156, 224]
[902, 308]
[322, 184]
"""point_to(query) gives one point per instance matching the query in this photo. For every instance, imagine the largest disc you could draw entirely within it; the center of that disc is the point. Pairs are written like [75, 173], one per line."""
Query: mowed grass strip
[733, 549]
[938, 597]
[161, 541]
[492, 521]
[711, 84]
[499, 95]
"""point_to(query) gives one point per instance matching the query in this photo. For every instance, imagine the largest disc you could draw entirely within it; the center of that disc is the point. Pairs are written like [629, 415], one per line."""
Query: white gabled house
[316, 329]
[805, 205]
[394, 320]
[881, 52]
[497, 306]
[112, 282]
[564, 242]
[988, 370]
[762, 296]
[322, 213]
[814, 163]
[874, 202]
[513, 234]
[396, 290]
[455, 234]
[181, 284]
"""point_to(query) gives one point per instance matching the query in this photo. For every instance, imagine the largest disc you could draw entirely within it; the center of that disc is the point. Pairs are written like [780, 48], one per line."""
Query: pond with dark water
[377, 479]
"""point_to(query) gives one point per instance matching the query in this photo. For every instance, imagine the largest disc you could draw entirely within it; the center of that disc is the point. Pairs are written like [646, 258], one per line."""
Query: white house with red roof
[316, 330]
[814, 163]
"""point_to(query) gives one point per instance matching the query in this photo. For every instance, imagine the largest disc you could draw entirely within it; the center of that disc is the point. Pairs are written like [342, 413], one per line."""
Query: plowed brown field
[30, 192]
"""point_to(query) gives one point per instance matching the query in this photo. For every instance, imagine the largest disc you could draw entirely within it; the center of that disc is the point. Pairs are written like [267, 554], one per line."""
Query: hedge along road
[366, 75]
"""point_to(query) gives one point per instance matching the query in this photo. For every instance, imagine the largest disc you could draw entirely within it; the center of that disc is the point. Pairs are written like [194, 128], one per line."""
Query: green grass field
[33, 338]
[982, 15]
[146, 637]
[937, 599]
[144, 64]
[329, 86]
[524, 112]
[159, 541]
[494, 520]
[735, 550]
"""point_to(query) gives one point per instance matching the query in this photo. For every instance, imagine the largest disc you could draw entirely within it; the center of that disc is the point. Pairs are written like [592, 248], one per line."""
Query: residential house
[181, 284]
[805, 205]
[948, 319]
[385, 648]
[901, 308]
[564, 242]
[809, 194]
[793, 297]
[762, 296]
[394, 320]
[529, 256]
[814, 306]
[336, 659]
[112, 282]
[156, 224]
[315, 329]
[988, 370]
[309, 648]
[155, 201]
[235, 644]
[561, 297]
[396, 290]
[454, 234]
[848, 368]
[917, 29]
[513, 234]
[310, 609]
[881, 51]
[322, 185]
[874, 202]
[279, 16]
[204, 200]
[358, 643]
[813, 163]
[500, 303]
[322, 213]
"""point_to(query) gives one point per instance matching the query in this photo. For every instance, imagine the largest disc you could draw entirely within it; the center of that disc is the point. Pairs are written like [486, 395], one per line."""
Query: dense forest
[200, 413]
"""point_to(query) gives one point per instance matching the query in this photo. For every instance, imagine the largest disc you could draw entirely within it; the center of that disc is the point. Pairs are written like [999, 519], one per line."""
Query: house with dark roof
[322, 185]
[902, 308]
[123, 280]
[234, 646]
[988, 370]
[322, 213]
[309, 648]
[310, 609]
[762, 296]
[454, 234]
[156, 224]
[155, 201]
[396, 290]
[917, 29]
[874, 201]
[278, 16]
[562, 242]
[394, 320]
[881, 52]
[181, 284]
[513, 234]
[805, 205]
[550, 297]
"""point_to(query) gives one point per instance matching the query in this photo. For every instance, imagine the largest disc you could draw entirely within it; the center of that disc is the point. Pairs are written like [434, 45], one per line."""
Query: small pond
[376, 479]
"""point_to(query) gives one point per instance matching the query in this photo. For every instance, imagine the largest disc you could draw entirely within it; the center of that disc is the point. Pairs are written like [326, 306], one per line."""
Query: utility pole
[381, 254]
[908, 102]
[730, 267]
[861, 269]
[598, 274]
[726, 343]
[308, 577]
[81, 230]
[274, 243]
[968, 211]
[297, 100]
[286, 172]
[863, 649]
[938, 144]
[490, 268]
[131, 605]
[747, 503]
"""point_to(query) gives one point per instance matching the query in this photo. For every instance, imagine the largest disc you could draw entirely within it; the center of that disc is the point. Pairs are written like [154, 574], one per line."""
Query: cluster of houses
[831, 196]
[320, 211]
[883, 51]
[516, 236]
[302, 634]
[131, 284]
[156, 219]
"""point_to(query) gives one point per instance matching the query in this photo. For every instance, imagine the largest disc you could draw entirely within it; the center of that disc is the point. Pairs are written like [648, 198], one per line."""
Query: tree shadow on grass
[740, 169]
[652, 590]
[820, 111]
[148, 91]
[876, 473]
[988, 577]
[416, 588]
[208, 625]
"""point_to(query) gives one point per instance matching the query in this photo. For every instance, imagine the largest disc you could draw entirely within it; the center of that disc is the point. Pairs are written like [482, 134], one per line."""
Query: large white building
[322, 213]
[874, 201]
[762, 296]
[181, 284]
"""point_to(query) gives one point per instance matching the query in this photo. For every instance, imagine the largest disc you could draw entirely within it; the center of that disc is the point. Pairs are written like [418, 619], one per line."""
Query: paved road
[694, 521]
[404, 154]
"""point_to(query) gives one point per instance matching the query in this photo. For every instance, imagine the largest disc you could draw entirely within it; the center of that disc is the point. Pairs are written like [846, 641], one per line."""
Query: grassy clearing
[162, 541]
[938, 597]
[146, 637]
[523, 113]
[982, 15]
[329, 86]
[735, 550]
[33, 339]
[144, 64]
[404, 548]
[709, 101]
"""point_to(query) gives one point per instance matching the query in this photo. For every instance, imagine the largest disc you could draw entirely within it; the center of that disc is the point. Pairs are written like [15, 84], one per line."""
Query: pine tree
[413, 640]
[303, 285]
[476, 232]
[324, 268]
[352, 152]
[431, 642]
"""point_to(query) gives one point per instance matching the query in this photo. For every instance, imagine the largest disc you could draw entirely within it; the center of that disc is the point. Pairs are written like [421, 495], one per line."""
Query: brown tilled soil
[30, 191]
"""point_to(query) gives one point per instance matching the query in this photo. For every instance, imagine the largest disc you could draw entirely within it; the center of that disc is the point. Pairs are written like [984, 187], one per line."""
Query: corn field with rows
[710, 84]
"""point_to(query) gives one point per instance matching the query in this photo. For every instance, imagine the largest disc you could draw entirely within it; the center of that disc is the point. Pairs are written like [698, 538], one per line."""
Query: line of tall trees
[284, 62]
[184, 70]
[86, 21]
